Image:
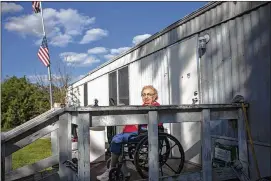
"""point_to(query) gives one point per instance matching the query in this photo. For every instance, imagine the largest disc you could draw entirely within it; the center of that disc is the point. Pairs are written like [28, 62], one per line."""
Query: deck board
[98, 168]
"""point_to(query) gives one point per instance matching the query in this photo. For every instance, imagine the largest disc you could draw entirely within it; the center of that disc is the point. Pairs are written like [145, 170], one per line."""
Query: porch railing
[86, 117]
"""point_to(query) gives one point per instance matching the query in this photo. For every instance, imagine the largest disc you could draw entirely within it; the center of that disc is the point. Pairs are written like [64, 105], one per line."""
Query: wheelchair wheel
[131, 151]
[264, 179]
[116, 174]
[169, 165]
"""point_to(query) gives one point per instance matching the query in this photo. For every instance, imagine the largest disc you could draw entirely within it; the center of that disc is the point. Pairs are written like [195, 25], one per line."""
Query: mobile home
[209, 56]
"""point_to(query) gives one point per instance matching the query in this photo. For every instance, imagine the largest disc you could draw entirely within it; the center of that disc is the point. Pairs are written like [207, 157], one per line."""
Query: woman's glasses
[148, 95]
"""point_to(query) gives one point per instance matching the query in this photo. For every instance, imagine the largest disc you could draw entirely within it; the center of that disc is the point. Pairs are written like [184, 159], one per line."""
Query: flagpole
[49, 66]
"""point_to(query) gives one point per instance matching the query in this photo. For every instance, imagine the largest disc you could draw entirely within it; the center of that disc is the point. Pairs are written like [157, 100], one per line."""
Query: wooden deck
[98, 168]
[86, 117]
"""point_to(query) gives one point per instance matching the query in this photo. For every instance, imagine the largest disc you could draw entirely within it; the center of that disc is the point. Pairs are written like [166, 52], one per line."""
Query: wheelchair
[136, 151]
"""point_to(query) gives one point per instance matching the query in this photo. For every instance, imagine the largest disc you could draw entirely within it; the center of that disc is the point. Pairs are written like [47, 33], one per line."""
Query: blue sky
[81, 35]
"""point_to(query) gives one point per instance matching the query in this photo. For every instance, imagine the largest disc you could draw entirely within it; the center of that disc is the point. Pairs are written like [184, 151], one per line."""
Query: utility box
[223, 153]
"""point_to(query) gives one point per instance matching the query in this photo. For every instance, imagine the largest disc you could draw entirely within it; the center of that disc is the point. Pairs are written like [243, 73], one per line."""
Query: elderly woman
[149, 97]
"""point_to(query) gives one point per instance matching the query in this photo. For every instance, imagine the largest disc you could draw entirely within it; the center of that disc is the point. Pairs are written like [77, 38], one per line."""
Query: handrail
[117, 115]
[145, 109]
[31, 124]
[107, 110]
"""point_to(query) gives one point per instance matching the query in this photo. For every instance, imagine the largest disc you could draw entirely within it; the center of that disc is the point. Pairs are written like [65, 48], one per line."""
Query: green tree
[21, 101]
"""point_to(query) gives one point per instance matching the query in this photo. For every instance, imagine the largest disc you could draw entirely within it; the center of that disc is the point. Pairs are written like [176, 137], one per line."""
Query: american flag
[36, 6]
[43, 52]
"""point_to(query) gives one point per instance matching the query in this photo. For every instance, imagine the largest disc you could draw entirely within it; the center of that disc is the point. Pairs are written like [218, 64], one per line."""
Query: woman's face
[148, 96]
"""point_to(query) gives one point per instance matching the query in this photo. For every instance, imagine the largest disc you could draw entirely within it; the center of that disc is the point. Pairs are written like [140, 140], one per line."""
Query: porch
[86, 117]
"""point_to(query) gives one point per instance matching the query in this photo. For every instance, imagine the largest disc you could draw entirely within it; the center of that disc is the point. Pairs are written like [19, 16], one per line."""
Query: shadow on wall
[237, 61]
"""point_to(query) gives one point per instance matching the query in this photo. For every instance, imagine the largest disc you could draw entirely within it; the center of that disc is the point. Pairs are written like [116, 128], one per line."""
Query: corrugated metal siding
[183, 83]
[237, 61]
[151, 70]
[196, 24]
[98, 89]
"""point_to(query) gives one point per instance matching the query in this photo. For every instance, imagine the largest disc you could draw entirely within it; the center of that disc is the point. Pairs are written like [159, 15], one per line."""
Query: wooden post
[153, 146]
[65, 152]
[3, 162]
[54, 141]
[84, 120]
[54, 136]
[8, 163]
[206, 146]
[242, 141]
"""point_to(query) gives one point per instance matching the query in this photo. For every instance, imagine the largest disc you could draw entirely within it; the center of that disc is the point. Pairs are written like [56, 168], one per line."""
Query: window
[119, 95]
[123, 78]
[85, 94]
[112, 89]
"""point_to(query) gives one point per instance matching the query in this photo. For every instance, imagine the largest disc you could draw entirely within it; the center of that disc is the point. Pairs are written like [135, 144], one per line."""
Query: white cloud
[61, 40]
[61, 26]
[76, 78]
[139, 38]
[93, 35]
[73, 21]
[109, 56]
[35, 78]
[78, 59]
[119, 50]
[42, 78]
[116, 51]
[10, 7]
[97, 50]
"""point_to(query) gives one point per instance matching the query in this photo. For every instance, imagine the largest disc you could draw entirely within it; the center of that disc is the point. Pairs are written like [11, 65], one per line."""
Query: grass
[32, 153]
[5, 129]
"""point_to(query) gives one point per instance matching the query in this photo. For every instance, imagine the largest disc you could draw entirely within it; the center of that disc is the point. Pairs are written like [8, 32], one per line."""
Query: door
[150, 70]
[184, 90]
[119, 91]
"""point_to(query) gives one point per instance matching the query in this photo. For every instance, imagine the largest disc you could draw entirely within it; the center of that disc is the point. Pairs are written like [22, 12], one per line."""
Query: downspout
[198, 55]
[201, 49]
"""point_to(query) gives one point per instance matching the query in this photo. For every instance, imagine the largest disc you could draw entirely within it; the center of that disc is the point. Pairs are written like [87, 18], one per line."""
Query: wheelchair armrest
[132, 137]
[141, 132]
[137, 137]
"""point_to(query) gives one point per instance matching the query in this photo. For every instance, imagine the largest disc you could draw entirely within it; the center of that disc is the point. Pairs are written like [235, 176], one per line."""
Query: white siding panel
[183, 83]
[213, 16]
[98, 89]
[80, 95]
[237, 60]
[151, 70]
[239, 51]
